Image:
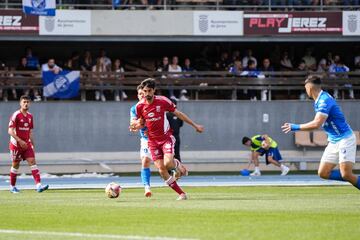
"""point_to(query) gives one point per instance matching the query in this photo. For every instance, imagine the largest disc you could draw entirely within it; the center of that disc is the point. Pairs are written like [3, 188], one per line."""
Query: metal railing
[257, 5]
[195, 82]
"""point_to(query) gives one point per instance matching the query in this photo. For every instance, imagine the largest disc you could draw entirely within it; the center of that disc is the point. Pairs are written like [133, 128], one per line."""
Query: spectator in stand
[323, 66]
[357, 59]
[23, 66]
[351, 3]
[100, 70]
[187, 67]
[86, 63]
[236, 68]
[235, 55]
[107, 61]
[340, 69]
[248, 56]
[74, 62]
[266, 67]
[51, 66]
[164, 66]
[253, 72]
[119, 76]
[174, 68]
[224, 62]
[302, 66]
[285, 62]
[309, 60]
[32, 61]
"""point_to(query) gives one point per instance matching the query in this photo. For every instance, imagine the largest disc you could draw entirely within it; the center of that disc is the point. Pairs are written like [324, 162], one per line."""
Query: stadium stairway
[196, 161]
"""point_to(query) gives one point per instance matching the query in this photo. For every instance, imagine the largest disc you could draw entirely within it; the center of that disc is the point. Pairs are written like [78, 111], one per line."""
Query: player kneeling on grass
[263, 144]
[22, 144]
[341, 148]
[151, 112]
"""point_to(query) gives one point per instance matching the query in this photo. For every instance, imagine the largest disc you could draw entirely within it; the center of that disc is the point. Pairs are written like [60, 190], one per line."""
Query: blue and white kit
[144, 150]
[342, 140]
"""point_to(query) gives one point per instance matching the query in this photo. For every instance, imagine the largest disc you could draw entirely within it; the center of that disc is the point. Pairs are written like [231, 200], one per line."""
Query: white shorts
[341, 151]
[144, 149]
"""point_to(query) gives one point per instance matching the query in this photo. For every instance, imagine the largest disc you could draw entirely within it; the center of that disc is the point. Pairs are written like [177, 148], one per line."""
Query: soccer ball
[113, 190]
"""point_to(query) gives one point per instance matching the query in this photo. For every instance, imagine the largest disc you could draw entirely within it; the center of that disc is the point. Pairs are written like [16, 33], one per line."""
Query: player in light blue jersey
[341, 148]
[145, 155]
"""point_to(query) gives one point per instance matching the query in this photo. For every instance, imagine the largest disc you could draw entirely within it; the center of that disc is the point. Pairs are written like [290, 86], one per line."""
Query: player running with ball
[341, 148]
[151, 112]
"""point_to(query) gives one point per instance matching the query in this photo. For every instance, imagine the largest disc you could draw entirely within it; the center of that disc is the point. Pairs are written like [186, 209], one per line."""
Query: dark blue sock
[145, 176]
[358, 183]
[336, 175]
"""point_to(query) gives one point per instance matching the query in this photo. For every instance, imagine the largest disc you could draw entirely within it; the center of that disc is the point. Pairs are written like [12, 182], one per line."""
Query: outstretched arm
[318, 121]
[185, 118]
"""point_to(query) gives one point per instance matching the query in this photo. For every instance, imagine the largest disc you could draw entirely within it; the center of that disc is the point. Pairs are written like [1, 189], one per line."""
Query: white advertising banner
[66, 22]
[218, 23]
[351, 23]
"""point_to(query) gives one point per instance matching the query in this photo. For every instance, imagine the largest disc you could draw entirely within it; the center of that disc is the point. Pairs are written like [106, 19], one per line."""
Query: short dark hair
[313, 79]
[25, 97]
[149, 82]
[139, 87]
[245, 140]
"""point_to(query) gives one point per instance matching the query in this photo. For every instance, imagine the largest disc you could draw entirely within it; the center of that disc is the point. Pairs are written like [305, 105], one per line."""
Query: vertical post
[217, 5]
[269, 8]
[321, 5]
[165, 4]
[6, 4]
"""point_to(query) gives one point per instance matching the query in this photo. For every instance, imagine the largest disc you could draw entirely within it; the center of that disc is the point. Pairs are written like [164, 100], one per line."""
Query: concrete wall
[102, 127]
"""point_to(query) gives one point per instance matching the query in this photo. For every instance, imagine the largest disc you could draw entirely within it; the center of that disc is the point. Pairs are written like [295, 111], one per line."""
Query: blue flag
[116, 3]
[66, 84]
[39, 7]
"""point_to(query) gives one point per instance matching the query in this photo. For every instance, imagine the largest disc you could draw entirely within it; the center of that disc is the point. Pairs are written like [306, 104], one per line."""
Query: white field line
[87, 235]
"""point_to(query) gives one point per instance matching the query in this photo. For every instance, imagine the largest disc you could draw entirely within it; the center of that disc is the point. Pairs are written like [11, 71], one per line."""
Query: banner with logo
[39, 7]
[66, 84]
[67, 22]
[218, 23]
[293, 23]
[15, 22]
[351, 23]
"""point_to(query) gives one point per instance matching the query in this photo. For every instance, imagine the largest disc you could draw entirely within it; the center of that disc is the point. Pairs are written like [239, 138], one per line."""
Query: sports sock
[257, 169]
[36, 173]
[173, 184]
[13, 175]
[358, 183]
[145, 176]
[336, 175]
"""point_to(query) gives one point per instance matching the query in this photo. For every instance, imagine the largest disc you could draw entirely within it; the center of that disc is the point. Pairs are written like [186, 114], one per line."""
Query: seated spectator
[119, 76]
[86, 63]
[236, 68]
[23, 66]
[224, 62]
[285, 62]
[357, 60]
[164, 66]
[309, 60]
[339, 67]
[248, 56]
[266, 67]
[51, 66]
[174, 68]
[99, 69]
[187, 67]
[74, 62]
[323, 66]
[252, 71]
[32, 61]
[302, 66]
[105, 59]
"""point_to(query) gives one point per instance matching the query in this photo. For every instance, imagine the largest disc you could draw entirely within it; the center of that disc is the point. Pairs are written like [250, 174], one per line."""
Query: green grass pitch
[210, 213]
